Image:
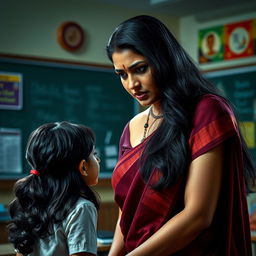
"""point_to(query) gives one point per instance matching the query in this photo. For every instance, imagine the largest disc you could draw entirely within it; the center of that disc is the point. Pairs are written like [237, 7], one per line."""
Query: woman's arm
[201, 197]
[117, 247]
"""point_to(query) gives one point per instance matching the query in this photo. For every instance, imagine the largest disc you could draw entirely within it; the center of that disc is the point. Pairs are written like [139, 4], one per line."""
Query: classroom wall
[29, 27]
[189, 27]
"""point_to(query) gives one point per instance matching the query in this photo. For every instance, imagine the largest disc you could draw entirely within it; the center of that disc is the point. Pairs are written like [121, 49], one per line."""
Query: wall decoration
[10, 150]
[248, 132]
[211, 44]
[238, 40]
[227, 42]
[70, 36]
[10, 90]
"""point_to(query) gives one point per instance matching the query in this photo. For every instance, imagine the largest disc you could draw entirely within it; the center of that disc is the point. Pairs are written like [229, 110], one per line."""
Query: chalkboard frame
[58, 63]
[217, 72]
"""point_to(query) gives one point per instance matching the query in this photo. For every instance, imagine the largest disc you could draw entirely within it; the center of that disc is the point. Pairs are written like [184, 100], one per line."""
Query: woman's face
[136, 76]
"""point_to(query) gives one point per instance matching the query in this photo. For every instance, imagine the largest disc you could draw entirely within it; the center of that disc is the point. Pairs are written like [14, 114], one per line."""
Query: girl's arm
[201, 197]
[117, 247]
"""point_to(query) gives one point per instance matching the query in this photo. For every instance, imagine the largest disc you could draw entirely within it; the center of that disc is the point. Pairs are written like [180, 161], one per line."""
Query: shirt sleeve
[213, 123]
[80, 229]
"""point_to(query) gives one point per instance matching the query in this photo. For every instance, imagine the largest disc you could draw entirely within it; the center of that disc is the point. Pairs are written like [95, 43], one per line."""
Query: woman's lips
[141, 96]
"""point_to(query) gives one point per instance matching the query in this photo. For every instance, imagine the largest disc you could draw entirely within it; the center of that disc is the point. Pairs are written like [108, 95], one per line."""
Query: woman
[183, 166]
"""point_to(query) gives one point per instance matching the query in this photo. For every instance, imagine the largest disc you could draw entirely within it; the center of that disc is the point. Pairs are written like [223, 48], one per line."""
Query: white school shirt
[77, 233]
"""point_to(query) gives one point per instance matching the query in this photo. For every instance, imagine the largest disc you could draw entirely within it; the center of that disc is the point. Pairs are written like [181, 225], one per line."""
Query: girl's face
[92, 169]
[136, 76]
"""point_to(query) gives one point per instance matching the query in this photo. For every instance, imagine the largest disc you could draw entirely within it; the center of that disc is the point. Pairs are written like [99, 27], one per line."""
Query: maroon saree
[144, 210]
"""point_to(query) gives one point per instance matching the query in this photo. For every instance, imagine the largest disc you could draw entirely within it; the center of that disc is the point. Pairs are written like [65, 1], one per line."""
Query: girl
[183, 167]
[54, 212]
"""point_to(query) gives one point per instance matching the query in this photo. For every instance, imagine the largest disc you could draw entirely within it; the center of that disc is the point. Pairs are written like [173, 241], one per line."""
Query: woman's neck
[156, 108]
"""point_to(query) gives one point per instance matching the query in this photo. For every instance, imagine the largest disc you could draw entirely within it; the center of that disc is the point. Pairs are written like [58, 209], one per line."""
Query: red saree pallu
[144, 210]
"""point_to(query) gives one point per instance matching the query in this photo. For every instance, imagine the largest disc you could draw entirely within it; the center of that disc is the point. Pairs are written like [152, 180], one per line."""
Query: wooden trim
[52, 60]
[229, 67]
[7, 184]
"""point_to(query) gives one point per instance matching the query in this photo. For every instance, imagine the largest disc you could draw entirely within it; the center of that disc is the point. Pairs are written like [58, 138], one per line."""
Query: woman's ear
[83, 168]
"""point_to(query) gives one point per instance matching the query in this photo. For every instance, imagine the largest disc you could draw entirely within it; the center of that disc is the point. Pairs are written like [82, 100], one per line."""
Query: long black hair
[55, 151]
[181, 84]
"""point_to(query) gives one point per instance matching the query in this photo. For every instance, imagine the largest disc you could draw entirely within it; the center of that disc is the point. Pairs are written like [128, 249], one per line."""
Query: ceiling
[201, 9]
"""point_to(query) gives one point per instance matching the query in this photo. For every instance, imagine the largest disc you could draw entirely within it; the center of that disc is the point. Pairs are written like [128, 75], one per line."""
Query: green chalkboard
[239, 86]
[54, 91]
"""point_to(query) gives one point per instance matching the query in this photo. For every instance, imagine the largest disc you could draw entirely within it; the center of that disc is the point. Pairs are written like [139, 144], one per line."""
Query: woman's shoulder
[213, 104]
[134, 126]
[209, 99]
[210, 108]
[136, 122]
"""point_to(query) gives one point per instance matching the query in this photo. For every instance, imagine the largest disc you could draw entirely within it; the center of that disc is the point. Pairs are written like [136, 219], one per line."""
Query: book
[251, 199]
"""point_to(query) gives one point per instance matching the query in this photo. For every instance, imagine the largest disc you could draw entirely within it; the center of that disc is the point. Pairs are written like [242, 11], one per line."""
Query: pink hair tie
[35, 172]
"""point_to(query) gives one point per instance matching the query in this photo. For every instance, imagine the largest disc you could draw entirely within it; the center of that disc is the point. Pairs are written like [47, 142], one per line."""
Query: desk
[102, 250]
[7, 249]
[253, 245]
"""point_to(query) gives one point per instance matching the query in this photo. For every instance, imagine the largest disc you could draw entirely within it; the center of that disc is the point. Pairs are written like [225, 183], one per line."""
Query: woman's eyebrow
[132, 66]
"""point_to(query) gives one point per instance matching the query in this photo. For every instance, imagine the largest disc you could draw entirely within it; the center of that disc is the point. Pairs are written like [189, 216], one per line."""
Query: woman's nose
[133, 83]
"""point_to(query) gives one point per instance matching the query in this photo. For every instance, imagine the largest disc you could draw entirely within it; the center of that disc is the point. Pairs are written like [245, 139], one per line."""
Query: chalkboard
[54, 91]
[239, 86]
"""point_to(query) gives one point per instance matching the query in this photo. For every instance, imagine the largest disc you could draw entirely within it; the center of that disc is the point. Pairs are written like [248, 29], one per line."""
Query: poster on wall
[211, 44]
[10, 91]
[239, 40]
[10, 150]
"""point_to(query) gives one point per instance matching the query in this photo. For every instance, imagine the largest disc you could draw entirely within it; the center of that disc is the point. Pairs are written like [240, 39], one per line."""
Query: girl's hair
[181, 85]
[55, 151]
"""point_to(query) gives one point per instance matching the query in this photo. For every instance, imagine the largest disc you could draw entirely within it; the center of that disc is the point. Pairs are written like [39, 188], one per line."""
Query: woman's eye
[141, 69]
[122, 75]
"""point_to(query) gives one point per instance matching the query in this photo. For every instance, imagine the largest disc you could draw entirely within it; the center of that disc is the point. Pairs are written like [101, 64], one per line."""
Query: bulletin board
[239, 86]
[56, 91]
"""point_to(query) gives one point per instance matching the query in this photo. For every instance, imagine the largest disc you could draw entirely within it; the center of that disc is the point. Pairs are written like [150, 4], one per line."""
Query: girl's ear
[83, 168]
